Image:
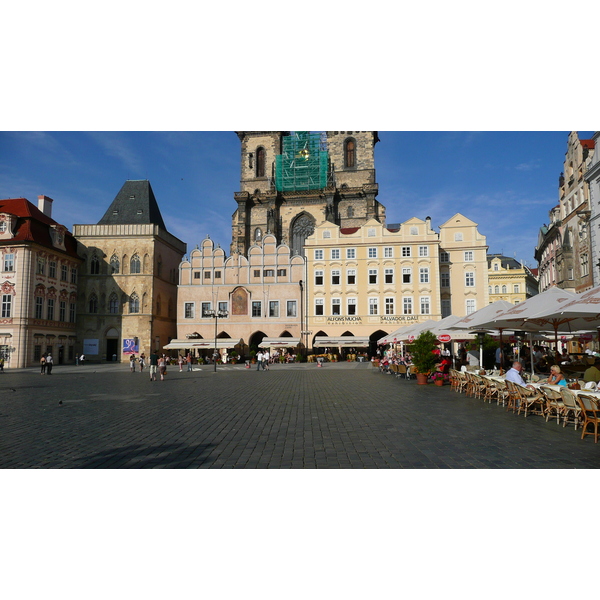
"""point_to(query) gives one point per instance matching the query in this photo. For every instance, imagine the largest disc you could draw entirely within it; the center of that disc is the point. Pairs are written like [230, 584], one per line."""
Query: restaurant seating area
[556, 404]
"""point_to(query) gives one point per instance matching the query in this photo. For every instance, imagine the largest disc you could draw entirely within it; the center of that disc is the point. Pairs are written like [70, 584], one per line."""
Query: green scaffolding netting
[303, 163]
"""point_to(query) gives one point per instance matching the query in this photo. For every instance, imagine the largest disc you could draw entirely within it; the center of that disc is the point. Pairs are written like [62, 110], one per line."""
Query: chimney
[45, 205]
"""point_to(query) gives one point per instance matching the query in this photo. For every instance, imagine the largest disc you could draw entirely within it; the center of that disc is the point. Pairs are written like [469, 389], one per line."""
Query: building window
[72, 312]
[50, 309]
[260, 162]
[423, 250]
[335, 254]
[273, 308]
[281, 272]
[350, 212]
[206, 307]
[388, 252]
[223, 307]
[496, 289]
[217, 274]
[196, 274]
[256, 272]
[351, 253]
[470, 279]
[6, 306]
[444, 257]
[471, 307]
[446, 309]
[115, 265]
[113, 304]
[64, 273]
[372, 253]
[52, 269]
[134, 304]
[372, 276]
[39, 307]
[458, 237]
[335, 277]
[349, 154]
[256, 308]
[9, 262]
[373, 306]
[424, 275]
[135, 266]
[445, 280]
[504, 290]
[336, 306]
[389, 306]
[351, 306]
[319, 304]
[389, 275]
[351, 276]
[188, 310]
[257, 234]
[94, 265]
[269, 273]
[3, 226]
[207, 275]
[318, 254]
[516, 288]
[292, 308]
[407, 306]
[73, 275]
[469, 256]
[496, 267]
[425, 305]
[62, 311]
[406, 274]
[584, 265]
[406, 251]
[318, 277]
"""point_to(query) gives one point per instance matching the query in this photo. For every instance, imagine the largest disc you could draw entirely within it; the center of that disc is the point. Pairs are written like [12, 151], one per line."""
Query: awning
[280, 342]
[202, 344]
[346, 341]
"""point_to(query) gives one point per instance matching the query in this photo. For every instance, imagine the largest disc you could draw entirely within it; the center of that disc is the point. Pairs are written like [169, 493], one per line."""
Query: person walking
[189, 362]
[132, 363]
[142, 362]
[82, 359]
[153, 365]
[259, 360]
[49, 363]
[43, 364]
[266, 357]
[162, 367]
[1, 364]
[180, 361]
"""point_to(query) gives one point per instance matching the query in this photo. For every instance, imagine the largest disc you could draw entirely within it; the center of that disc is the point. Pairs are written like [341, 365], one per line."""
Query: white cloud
[115, 145]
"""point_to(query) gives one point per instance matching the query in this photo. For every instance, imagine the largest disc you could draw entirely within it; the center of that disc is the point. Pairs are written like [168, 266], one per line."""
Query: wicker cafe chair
[513, 397]
[554, 403]
[590, 413]
[480, 386]
[570, 407]
[401, 371]
[530, 399]
[502, 392]
[491, 391]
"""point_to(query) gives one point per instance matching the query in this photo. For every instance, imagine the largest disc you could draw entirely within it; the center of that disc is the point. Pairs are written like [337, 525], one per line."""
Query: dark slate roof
[134, 204]
[507, 262]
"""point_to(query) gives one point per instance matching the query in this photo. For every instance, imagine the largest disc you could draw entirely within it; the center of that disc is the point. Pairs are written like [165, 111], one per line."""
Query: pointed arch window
[114, 264]
[349, 153]
[94, 265]
[113, 304]
[93, 304]
[135, 265]
[260, 162]
[134, 303]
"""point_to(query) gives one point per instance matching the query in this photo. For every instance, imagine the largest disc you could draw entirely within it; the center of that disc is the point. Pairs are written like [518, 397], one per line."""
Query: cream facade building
[510, 280]
[128, 285]
[259, 295]
[38, 284]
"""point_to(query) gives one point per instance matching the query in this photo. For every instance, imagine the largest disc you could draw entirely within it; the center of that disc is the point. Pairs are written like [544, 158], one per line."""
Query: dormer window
[3, 226]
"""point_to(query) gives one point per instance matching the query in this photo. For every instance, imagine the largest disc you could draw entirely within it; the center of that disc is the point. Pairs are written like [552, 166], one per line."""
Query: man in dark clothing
[153, 365]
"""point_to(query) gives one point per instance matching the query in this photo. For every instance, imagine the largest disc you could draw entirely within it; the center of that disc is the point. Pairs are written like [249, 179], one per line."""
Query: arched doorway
[112, 344]
[373, 338]
[302, 226]
[255, 339]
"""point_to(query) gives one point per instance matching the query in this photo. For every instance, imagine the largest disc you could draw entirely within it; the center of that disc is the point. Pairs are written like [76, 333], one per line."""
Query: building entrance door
[112, 346]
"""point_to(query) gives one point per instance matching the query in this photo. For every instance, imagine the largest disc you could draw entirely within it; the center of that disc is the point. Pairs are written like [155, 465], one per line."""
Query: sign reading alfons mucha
[383, 319]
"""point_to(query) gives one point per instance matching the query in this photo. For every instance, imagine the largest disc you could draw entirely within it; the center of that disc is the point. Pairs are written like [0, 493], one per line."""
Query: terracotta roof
[589, 144]
[34, 226]
[349, 230]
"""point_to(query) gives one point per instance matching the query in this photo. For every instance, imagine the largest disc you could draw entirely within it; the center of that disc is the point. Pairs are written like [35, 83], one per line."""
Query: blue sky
[504, 181]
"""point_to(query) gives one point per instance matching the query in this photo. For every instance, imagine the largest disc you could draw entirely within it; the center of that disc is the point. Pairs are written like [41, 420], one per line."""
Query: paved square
[297, 416]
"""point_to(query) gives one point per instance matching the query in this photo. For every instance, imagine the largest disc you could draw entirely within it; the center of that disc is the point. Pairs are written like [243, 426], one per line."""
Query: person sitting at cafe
[592, 373]
[556, 377]
[514, 374]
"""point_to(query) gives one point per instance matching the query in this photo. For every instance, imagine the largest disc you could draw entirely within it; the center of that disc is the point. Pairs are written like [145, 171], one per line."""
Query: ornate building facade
[510, 280]
[592, 177]
[39, 284]
[128, 286]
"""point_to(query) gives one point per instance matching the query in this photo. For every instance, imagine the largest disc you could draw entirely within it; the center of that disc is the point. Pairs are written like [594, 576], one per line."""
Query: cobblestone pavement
[296, 416]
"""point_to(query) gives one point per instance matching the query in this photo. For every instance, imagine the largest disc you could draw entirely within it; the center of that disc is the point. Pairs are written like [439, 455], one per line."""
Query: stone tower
[293, 181]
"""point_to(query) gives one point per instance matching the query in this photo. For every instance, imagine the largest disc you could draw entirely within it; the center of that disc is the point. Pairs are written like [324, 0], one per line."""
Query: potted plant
[253, 356]
[233, 356]
[438, 378]
[422, 355]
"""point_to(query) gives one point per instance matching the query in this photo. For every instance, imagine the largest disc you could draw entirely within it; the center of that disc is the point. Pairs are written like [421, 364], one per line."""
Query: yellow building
[509, 280]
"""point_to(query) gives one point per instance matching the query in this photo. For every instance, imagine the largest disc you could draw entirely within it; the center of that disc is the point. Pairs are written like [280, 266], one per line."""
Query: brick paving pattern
[297, 416]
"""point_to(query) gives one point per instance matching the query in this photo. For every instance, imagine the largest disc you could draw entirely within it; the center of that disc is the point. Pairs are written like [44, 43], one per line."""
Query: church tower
[294, 181]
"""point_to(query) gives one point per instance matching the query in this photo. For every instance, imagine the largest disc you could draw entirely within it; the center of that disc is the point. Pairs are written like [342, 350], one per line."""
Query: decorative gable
[7, 225]
[57, 233]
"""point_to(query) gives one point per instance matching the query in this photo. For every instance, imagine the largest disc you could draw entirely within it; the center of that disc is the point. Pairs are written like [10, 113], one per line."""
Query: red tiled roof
[589, 144]
[33, 225]
[349, 230]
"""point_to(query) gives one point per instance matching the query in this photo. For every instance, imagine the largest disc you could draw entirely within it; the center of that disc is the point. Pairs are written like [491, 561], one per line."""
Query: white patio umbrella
[401, 334]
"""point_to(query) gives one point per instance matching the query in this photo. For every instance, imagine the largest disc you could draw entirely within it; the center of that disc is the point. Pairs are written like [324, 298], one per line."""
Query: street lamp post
[216, 314]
